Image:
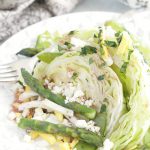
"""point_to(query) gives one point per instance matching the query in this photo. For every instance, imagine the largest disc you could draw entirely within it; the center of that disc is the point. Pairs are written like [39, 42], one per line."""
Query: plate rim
[58, 17]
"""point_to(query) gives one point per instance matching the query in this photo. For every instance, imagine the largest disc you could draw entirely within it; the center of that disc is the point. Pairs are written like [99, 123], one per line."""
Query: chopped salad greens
[88, 91]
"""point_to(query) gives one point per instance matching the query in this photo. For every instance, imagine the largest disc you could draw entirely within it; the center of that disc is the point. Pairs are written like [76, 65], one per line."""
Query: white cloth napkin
[17, 14]
[136, 3]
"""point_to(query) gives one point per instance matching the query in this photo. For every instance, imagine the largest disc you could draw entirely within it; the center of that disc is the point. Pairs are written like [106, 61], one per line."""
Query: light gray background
[101, 5]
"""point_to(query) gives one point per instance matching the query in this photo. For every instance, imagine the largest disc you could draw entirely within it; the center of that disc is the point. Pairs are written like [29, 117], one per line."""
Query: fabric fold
[18, 14]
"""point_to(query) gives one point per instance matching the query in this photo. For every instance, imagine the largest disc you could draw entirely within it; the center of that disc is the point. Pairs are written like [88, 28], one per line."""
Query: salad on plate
[89, 90]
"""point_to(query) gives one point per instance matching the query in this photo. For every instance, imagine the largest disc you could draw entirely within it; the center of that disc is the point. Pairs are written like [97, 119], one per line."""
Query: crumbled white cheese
[66, 122]
[108, 145]
[51, 85]
[78, 93]
[81, 124]
[53, 119]
[26, 95]
[73, 93]
[70, 74]
[39, 114]
[12, 115]
[109, 33]
[25, 112]
[91, 127]
[18, 119]
[46, 82]
[57, 89]
[27, 138]
[77, 42]
[87, 125]
[69, 89]
[88, 102]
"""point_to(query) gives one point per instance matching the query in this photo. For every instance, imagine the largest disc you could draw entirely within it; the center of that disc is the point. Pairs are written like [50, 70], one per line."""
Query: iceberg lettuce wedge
[133, 125]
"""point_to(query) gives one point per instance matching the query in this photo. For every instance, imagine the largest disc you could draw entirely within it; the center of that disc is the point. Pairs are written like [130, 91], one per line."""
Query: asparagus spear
[84, 146]
[46, 127]
[36, 86]
[101, 120]
[29, 52]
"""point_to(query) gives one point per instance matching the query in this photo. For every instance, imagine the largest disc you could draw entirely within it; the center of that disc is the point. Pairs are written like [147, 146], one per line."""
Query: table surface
[101, 5]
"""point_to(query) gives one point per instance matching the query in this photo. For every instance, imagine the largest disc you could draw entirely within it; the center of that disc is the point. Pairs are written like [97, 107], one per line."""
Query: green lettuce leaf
[47, 57]
[132, 126]
[43, 41]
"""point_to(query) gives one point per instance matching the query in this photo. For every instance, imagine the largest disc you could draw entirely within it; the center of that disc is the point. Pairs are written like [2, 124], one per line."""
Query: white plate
[11, 137]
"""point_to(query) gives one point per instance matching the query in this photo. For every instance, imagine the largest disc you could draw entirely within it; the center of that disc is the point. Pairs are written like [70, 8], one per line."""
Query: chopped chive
[101, 77]
[74, 76]
[129, 54]
[110, 43]
[124, 67]
[88, 50]
[102, 52]
[71, 32]
[125, 64]
[99, 35]
[95, 36]
[118, 36]
[69, 45]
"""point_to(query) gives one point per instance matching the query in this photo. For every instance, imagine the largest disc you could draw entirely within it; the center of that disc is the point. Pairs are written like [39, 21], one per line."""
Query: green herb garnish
[95, 36]
[88, 50]
[118, 36]
[87, 80]
[124, 67]
[101, 77]
[100, 41]
[125, 64]
[110, 43]
[72, 32]
[100, 35]
[129, 54]
[68, 44]
[74, 76]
